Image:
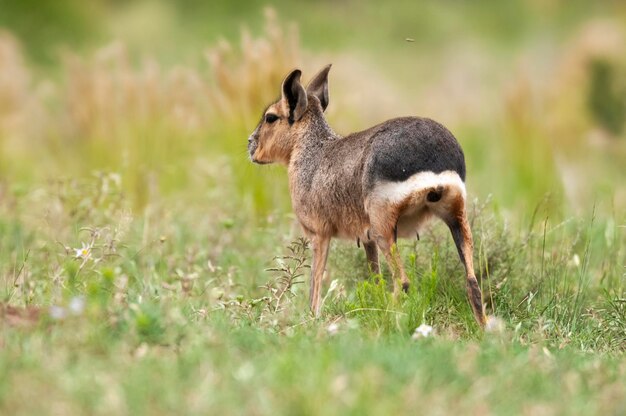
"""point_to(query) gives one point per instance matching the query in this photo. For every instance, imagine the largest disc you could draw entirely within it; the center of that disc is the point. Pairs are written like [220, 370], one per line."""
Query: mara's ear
[318, 86]
[294, 95]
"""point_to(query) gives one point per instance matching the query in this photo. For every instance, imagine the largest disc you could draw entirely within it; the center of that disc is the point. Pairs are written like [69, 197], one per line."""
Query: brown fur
[335, 190]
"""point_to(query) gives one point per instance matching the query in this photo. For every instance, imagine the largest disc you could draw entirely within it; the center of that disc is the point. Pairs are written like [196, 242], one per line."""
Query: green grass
[180, 317]
[220, 369]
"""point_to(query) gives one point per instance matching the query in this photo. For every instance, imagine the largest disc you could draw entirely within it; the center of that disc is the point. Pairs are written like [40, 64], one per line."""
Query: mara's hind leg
[462, 235]
[383, 223]
[371, 252]
[390, 249]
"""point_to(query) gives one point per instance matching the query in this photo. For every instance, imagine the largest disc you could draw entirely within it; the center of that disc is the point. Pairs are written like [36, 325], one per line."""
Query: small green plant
[422, 292]
[374, 304]
[278, 293]
[613, 320]
[148, 324]
[290, 269]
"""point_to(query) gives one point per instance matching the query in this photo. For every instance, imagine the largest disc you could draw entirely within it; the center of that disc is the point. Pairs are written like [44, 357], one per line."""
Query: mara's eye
[270, 118]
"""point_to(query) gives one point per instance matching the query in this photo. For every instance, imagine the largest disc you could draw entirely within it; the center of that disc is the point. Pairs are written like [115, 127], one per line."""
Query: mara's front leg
[319, 247]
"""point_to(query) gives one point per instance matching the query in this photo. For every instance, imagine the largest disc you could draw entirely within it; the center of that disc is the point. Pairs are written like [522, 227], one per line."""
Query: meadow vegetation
[146, 267]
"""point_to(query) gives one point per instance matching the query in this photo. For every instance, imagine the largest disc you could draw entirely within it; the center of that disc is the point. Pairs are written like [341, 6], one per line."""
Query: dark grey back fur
[391, 151]
[404, 146]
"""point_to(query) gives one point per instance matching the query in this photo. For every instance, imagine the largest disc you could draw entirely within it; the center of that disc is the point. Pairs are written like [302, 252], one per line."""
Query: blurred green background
[534, 90]
[138, 242]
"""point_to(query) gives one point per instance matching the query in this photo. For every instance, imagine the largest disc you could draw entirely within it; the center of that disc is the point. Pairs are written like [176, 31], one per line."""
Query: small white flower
[333, 328]
[576, 260]
[494, 324]
[77, 305]
[84, 252]
[245, 372]
[116, 178]
[546, 352]
[142, 350]
[422, 331]
[56, 312]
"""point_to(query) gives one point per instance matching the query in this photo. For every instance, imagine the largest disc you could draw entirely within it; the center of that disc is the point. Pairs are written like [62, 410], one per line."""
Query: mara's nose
[252, 137]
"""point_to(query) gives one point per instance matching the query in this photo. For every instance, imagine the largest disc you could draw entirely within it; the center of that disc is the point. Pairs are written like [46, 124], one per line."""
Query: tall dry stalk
[21, 101]
[107, 96]
[245, 80]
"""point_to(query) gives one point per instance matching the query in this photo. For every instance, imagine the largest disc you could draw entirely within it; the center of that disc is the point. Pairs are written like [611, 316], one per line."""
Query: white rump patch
[412, 195]
[420, 182]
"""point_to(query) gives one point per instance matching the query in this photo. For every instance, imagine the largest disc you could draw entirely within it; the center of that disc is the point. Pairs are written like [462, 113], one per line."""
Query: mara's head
[288, 118]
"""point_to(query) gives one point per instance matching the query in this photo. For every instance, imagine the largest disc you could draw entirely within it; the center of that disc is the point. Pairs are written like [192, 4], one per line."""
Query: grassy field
[146, 267]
